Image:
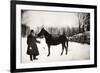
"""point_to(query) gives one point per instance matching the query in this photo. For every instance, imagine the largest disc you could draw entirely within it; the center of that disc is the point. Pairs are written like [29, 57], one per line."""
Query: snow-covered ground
[76, 51]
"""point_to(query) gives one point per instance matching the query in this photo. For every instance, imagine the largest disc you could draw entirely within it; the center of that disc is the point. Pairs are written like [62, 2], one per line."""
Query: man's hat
[32, 31]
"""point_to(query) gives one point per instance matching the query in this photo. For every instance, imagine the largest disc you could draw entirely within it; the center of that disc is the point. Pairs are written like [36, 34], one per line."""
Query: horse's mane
[47, 33]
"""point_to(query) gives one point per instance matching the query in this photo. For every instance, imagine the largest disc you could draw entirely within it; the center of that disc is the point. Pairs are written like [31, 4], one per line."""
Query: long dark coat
[32, 46]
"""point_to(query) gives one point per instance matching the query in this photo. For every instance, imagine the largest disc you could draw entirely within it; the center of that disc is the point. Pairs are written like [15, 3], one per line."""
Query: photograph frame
[13, 35]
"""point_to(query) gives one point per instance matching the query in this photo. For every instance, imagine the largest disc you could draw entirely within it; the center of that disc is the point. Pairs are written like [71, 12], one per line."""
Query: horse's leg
[66, 48]
[48, 50]
[62, 48]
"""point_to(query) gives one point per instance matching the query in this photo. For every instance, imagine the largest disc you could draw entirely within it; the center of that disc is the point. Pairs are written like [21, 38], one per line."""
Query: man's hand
[38, 41]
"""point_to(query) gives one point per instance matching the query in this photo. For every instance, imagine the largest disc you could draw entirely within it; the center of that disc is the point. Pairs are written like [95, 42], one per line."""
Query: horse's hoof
[66, 53]
[48, 55]
[61, 54]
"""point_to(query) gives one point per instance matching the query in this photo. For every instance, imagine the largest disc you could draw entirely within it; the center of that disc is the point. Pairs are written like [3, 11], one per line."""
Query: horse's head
[41, 33]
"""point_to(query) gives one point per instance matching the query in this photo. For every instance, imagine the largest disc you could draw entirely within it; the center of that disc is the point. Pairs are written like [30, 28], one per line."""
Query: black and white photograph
[54, 35]
[49, 36]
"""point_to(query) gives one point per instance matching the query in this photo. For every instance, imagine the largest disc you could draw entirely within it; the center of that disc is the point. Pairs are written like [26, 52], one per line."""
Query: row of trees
[54, 31]
[66, 31]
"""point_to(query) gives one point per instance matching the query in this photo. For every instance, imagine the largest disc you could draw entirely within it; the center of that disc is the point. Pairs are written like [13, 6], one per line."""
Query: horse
[50, 40]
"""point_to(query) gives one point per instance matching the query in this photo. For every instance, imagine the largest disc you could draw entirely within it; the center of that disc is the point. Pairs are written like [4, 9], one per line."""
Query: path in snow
[76, 51]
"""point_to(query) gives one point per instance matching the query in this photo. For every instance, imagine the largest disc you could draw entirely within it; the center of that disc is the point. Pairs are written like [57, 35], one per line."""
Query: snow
[76, 51]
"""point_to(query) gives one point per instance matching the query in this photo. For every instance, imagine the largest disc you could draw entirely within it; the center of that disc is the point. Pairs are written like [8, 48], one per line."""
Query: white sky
[50, 19]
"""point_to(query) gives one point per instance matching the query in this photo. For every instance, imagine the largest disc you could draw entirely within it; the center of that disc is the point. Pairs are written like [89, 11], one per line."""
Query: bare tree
[24, 30]
[84, 22]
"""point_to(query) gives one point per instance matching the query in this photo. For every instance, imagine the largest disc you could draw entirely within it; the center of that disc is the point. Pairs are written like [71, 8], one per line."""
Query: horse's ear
[42, 26]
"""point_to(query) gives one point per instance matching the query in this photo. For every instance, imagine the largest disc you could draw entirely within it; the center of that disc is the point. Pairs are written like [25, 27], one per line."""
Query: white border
[68, 63]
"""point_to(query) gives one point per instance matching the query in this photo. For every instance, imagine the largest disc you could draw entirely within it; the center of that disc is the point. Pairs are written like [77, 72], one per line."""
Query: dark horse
[50, 40]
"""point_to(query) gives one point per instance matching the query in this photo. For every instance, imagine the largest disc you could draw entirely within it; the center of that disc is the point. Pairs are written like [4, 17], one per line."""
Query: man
[32, 49]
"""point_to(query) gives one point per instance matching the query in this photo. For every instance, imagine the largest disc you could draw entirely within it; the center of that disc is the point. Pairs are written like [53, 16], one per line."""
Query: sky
[49, 19]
